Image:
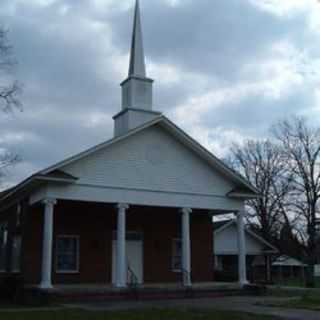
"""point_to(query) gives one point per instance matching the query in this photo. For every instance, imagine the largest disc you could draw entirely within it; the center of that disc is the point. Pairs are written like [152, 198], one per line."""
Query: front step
[156, 294]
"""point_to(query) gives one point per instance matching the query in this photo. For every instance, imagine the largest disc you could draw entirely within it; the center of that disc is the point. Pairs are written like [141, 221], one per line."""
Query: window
[67, 256]
[16, 253]
[177, 255]
[3, 246]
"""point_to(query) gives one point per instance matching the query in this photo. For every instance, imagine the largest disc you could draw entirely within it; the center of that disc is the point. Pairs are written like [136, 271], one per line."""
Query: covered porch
[109, 246]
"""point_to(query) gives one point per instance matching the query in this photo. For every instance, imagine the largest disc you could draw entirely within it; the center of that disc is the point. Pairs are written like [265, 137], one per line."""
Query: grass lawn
[132, 315]
[296, 282]
[306, 302]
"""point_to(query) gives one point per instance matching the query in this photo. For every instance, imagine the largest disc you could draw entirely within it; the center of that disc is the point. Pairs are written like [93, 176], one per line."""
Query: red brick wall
[32, 245]
[94, 224]
[202, 248]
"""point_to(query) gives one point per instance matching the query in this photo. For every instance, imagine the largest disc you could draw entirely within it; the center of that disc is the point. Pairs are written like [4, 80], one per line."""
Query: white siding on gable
[150, 160]
[226, 243]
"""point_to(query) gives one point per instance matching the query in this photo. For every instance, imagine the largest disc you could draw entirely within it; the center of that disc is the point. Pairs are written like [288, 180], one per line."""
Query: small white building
[285, 267]
[258, 253]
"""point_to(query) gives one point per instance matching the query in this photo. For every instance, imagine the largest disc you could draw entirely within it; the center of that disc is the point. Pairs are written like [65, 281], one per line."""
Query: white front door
[134, 251]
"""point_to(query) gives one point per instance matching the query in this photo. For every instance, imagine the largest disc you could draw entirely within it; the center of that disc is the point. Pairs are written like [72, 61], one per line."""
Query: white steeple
[137, 88]
[137, 61]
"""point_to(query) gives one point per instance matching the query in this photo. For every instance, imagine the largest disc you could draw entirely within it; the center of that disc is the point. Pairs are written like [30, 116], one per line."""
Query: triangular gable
[180, 135]
[153, 160]
[233, 223]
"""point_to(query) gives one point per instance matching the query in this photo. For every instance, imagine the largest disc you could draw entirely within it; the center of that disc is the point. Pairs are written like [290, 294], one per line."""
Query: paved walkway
[245, 304]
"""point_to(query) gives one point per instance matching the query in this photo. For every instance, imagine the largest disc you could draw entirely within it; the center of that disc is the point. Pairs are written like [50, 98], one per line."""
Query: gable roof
[182, 137]
[54, 173]
[287, 261]
[36, 180]
[220, 226]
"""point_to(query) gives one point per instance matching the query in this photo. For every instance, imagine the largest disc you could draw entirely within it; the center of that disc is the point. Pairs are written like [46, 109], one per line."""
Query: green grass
[306, 302]
[291, 283]
[132, 315]
[296, 282]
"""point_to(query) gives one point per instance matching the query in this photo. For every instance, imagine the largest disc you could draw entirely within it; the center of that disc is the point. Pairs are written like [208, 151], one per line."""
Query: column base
[120, 286]
[244, 283]
[46, 286]
[187, 285]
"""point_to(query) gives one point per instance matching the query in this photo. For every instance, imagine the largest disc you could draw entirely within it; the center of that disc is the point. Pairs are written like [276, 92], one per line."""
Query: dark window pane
[67, 255]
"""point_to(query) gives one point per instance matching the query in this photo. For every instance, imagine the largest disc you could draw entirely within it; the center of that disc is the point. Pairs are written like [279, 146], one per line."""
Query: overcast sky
[224, 70]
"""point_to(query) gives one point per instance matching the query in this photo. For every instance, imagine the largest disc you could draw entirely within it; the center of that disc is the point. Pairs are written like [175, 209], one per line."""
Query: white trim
[166, 191]
[77, 270]
[14, 239]
[135, 197]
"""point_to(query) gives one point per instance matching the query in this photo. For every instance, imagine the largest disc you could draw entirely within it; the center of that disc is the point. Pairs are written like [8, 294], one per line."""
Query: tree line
[285, 170]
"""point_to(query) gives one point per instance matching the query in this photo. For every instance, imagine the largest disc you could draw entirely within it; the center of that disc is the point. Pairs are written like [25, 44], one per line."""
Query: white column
[186, 246]
[121, 272]
[47, 244]
[242, 268]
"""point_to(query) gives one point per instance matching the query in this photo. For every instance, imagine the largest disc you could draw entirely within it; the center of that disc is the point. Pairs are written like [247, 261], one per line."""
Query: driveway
[245, 304]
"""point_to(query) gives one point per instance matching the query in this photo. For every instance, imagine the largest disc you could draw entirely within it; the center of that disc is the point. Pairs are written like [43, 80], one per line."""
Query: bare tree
[261, 162]
[7, 159]
[9, 89]
[9, 94]
[301, 145]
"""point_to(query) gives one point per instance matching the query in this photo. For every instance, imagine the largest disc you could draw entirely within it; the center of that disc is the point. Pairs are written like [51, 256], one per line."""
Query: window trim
[18, 269]
[77, 270]
[173, 243]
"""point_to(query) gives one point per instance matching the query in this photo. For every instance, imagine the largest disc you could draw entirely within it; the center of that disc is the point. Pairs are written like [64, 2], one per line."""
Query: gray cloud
[72, 57]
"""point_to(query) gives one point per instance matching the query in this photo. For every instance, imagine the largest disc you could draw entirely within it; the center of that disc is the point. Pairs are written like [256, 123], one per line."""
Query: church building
[135, 209]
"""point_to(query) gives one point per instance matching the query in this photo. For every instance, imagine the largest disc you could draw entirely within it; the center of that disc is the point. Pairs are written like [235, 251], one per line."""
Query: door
[134, 252]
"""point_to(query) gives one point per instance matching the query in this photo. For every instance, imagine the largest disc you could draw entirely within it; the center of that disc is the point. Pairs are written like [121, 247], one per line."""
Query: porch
[119, 246]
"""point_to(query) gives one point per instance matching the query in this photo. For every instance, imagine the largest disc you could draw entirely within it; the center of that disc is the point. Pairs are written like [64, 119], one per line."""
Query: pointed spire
[137, 60]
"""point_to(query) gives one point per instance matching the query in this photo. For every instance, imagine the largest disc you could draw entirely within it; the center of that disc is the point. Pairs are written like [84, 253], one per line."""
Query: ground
[224, 308]
[308, 302]
[136, 315]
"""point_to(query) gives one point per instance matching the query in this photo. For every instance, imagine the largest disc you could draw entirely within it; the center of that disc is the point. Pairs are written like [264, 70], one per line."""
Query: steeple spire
[137, 61]
[136, 105]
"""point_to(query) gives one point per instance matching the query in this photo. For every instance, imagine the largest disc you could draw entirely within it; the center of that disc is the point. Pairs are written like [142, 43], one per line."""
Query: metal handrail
[186, 277]
[133, 280]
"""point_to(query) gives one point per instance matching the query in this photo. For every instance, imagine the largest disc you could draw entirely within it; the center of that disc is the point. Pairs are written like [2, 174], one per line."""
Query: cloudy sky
[224, 69]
